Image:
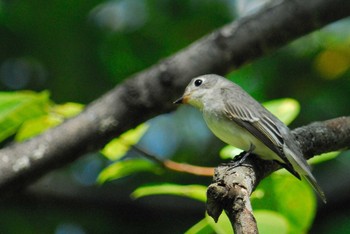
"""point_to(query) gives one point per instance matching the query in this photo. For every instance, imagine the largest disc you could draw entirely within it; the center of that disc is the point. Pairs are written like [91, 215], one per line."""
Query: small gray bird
[239, 120]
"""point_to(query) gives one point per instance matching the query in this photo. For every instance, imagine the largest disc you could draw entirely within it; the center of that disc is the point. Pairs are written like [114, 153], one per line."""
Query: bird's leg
[239, 159]
[242, 156]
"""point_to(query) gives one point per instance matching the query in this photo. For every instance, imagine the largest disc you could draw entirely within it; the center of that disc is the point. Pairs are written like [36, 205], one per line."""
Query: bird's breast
[228, 131]
[233, 134]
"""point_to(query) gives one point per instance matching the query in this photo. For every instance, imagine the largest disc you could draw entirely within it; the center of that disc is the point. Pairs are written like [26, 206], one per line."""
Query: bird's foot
[238, 160]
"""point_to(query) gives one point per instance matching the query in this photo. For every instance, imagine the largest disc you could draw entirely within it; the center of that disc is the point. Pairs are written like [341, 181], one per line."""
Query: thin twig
[175, 166]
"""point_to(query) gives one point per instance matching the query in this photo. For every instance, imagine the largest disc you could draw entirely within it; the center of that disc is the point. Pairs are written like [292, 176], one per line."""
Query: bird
[239, 120]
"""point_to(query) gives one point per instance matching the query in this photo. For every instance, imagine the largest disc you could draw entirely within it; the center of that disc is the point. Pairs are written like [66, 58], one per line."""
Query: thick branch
[152, 91]
[232, 186]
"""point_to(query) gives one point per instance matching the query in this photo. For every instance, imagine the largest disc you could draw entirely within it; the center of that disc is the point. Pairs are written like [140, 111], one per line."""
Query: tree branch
[232, 186]
[151, 92]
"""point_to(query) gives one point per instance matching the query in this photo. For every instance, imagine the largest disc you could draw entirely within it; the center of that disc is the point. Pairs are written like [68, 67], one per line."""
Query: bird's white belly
[231, 133]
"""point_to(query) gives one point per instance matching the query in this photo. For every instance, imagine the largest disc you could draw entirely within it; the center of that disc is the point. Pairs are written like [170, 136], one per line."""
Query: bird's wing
[257, 121]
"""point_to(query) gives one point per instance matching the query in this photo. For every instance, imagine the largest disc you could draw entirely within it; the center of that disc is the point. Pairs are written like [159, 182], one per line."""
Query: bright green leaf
[223, 226]
[36, 126]
[202, 227]
[258, 193]
[297, 202]
[18, 107]
[197, 192]
[229, 152]
[286, 109]
[271, 222]
[293, 199]
[39, 125]
[323, 157]
[124, 168]
[68, 110]
[268, 222]
[118, 147]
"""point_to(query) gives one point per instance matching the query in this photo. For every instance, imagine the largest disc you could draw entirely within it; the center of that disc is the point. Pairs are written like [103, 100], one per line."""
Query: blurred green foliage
[118, 147]
[53, 116]
[17, 107]
[26, 114]
[80, 49]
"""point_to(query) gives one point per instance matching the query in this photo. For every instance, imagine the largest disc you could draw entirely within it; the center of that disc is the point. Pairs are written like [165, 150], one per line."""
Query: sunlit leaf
[56, 115]
[297, 202]
[223, 226]
[118, 147]
[268, 222]
[124, 168]
[286, 109]
[68, 110]
[323, 157]
[17, 107]
[197, 192]
[36, 126]
[229, 152]
[271, 222]
[258, 193]
[293, 199]
[202, 227]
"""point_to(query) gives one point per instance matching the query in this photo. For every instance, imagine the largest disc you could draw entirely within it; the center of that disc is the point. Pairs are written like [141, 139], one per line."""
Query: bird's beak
[182, 100]
[179, 101]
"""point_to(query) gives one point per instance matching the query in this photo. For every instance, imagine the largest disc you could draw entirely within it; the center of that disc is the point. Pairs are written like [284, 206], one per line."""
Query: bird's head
[198, 90]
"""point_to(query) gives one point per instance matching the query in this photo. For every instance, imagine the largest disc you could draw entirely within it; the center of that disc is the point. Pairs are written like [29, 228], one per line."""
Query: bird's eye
[198, 82]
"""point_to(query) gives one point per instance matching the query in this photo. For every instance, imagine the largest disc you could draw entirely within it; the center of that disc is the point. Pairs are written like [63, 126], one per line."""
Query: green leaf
[286, 109]
[18, 107]
[68, 110]
[36, 126]
[124, 168]
[268, 222]
[229, 152]
[271, 222]
[223, 226]
[323, 157]
[297, 202]
[288, 196]
[118, 147]
[197, 192]
[202, 227]
[57, 114]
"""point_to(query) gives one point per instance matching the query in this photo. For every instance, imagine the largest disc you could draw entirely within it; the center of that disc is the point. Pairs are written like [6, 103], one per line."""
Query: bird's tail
[301, 166]
[312, 181]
